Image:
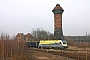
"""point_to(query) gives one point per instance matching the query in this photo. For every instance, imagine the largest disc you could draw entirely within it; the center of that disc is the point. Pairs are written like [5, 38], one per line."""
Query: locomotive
[60, 44]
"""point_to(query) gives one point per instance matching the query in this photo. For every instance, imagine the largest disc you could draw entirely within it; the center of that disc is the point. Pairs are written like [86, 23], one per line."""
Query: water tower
[58, 33]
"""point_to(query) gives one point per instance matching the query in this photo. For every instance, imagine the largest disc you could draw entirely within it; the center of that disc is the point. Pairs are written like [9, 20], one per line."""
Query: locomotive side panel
[53, 44]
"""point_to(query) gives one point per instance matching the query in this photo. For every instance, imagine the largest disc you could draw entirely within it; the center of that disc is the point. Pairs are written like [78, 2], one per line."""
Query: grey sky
[25, 15]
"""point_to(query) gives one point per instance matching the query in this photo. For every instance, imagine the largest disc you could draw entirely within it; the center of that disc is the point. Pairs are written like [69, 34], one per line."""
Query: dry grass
[44, 56]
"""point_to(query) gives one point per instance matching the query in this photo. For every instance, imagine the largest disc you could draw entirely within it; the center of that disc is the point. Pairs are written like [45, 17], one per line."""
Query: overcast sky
[25, 15]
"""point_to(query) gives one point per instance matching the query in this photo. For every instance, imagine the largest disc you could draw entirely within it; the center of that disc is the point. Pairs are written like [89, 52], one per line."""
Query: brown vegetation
[13, 49]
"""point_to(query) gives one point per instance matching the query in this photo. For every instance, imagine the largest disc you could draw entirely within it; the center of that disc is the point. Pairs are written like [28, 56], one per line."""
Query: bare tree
[41, 34]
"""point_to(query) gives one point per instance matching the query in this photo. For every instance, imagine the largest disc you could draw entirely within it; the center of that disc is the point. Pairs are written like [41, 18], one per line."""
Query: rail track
[73, 54]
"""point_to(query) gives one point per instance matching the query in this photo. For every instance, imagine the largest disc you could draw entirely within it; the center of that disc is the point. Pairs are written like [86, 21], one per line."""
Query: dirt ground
[45, 56]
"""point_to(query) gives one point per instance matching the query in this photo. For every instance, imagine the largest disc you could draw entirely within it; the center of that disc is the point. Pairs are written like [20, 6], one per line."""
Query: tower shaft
[58, 21]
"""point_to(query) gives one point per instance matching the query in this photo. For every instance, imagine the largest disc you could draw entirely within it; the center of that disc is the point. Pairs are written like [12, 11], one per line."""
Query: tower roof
[57, 4]
[58, 7]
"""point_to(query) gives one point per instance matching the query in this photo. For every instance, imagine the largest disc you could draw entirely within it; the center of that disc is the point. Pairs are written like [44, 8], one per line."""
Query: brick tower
[58, 33]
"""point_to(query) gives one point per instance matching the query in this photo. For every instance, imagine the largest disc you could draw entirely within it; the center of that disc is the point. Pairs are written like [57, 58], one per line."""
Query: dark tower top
[57, 9]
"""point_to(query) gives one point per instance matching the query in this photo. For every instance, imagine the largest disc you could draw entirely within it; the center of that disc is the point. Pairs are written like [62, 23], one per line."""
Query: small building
[77, 38]
[29, 37]
[19, 36]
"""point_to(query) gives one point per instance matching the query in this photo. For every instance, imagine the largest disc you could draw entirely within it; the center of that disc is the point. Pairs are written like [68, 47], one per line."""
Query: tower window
[57, 18]
[55, 23]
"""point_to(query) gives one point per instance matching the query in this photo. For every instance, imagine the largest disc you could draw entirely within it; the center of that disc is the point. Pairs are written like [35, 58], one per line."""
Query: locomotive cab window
[64, 42]
[60, 42]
